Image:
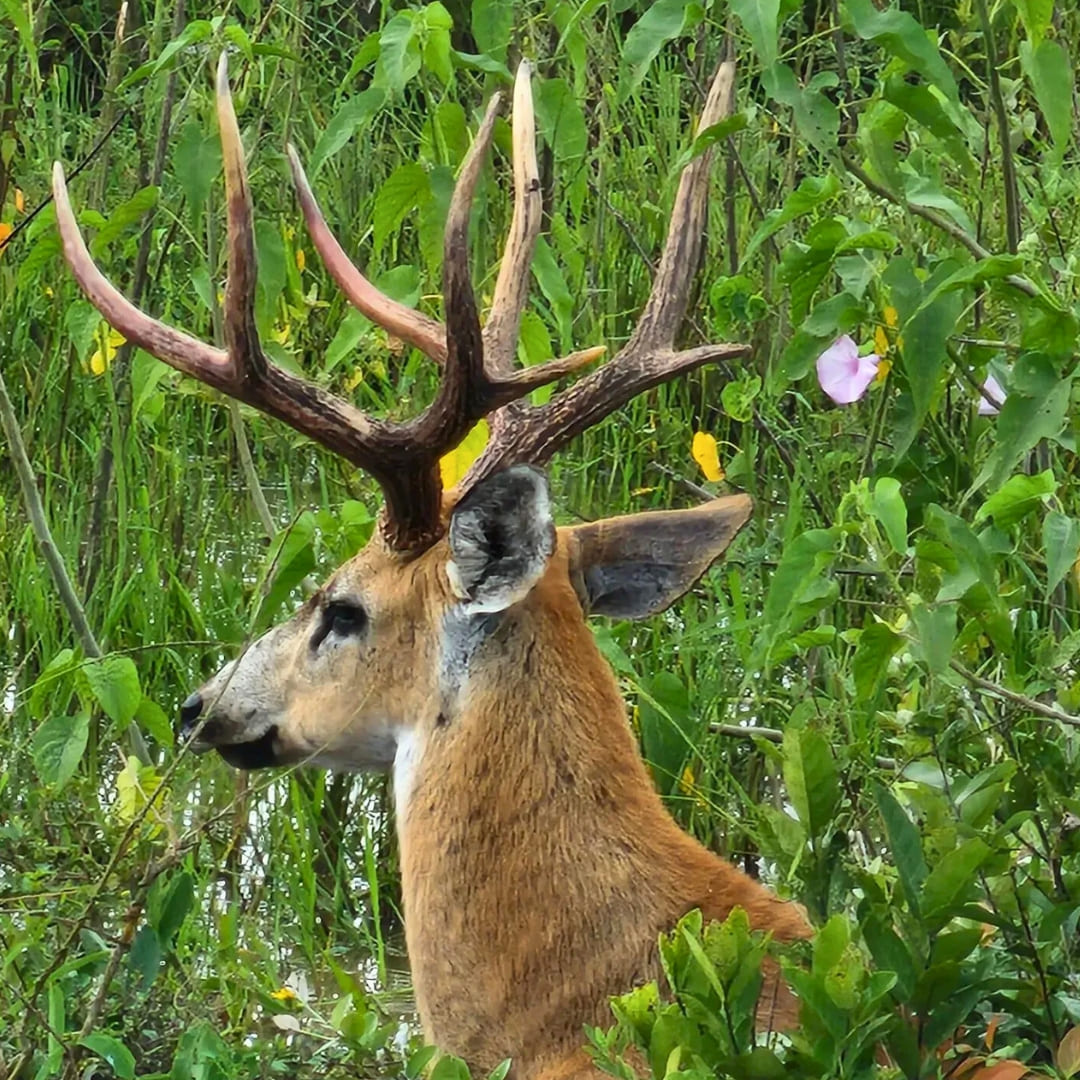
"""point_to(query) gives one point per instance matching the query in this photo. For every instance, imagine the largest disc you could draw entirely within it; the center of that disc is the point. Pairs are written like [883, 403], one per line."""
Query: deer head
[387, 643]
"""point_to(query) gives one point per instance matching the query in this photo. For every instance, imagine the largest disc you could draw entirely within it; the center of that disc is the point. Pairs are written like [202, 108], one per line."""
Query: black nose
[189, 713]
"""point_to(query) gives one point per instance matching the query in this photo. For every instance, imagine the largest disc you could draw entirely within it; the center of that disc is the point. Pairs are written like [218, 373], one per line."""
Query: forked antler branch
[403, 457]
[521, 432]
[479, 378]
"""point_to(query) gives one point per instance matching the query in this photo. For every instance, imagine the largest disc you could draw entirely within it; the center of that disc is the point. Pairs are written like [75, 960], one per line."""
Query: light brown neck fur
[539, 865]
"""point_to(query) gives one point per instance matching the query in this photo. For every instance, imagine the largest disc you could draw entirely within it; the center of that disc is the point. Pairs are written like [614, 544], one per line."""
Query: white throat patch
[410, 749]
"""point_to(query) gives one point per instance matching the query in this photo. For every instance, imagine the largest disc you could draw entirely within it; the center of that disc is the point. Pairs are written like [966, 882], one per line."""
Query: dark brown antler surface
[522, 432]
[479, 378]
[403, 458]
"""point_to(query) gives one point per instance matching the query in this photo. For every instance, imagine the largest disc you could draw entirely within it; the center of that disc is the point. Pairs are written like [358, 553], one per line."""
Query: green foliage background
[899, 623]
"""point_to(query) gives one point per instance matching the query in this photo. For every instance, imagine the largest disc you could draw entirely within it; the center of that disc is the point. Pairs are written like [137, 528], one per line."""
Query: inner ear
[501, 537]
[634, 566]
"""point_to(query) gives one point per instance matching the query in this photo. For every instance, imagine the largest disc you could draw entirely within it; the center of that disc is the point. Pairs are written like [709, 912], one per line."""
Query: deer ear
[501, 538]
[631, 567]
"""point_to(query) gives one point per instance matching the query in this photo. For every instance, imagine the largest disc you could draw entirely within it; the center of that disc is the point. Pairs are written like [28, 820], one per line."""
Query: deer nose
[190, 712]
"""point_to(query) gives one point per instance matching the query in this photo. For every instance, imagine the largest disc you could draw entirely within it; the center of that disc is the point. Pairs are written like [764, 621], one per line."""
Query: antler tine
[241, 337]
[534, 434]
[511, 286]
[424, 333]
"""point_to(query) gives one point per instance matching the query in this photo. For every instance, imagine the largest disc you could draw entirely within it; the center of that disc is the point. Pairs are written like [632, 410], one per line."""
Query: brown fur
[539, 865]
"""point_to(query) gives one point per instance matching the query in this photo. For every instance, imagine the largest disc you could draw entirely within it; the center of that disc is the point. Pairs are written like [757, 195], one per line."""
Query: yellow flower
[881, 341]
[892, 318]
[703, 449]
[301, 259]
[286, 995]
[281, 335]
[883, 370]
[20, 200]
[5, 232]
[108, 343]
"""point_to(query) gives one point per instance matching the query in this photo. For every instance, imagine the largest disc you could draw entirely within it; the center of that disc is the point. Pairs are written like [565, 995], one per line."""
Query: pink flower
[843, 374]
[993, 388]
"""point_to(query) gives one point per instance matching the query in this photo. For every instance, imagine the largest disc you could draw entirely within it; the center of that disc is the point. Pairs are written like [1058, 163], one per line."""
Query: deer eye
[342, 618]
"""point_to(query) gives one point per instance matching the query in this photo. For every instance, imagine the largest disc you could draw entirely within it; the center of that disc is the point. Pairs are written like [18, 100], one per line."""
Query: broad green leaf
[59, 744]
[492, 24]
[196, 165]
[905, 845]
[1061, 540]
[405, 189]
[50, 679]
[1036, 16]
[114, 682]
[1048, 70]
[151, 718]
[888, 507]
[662, 21]
[146, 955]
[146, 373]
[761, 20]
[178, 900]
[926, 108]
[927, 319]
[737, 397]
[1035, 409]
[290, 559]
[900, 34]
[399, 53]
[816, 115]
[954, 875]
[112, 1051]
[561, 121]
[135, 786]
[449, 1067]
[1017, 498]
[353, 327]
[123, 217]
[877, 645]
[935, 630]
[665, 718]
[810, 777]
[352, 115]
[437, 48]
[812, 192]
[553, 285]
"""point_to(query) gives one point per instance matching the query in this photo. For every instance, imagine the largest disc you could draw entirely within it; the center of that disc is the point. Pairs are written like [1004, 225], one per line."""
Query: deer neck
[531, 839]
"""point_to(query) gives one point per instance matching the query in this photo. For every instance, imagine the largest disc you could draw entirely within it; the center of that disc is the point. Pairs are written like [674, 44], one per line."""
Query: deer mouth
[253, 754]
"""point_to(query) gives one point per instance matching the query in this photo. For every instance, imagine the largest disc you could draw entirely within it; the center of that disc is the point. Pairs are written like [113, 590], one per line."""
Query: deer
[539, 864]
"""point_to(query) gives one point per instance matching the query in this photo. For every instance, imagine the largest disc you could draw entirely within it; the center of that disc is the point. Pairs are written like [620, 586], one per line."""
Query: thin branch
[1029, 703]
[774, 735]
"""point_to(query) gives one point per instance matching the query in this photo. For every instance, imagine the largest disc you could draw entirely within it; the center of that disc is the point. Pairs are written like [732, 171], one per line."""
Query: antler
[478, 378]
[402, 457]
[522, 432]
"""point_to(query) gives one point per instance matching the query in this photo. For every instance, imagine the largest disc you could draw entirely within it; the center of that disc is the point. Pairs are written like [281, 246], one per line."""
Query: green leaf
[927, 109]
[953, 876]
[761, 20]
[59, 744]
[561, 121]
[663, 21]
[492, 24]
[146, 955]
[1061, 539]
[905, 845]
[927, 318]
[889, 510]
[935, 629]
[399, 53]
[816, 116]
[1036, 15]
[812, 192]
[553, 285]
[112, 1051]
[405, 189]
[665, 718]
[437, 48]
[1047, 68]
[1035, 409]
[901, 34]
[810, 778]
[290, 559]
[123, 217]
[877, 645]
[352, 115]
[449, 1067]
[178, 901]
[1017, 498]
[737, 397]
[49, 680]
[151, 718]
[114, 682]
[196, 165]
